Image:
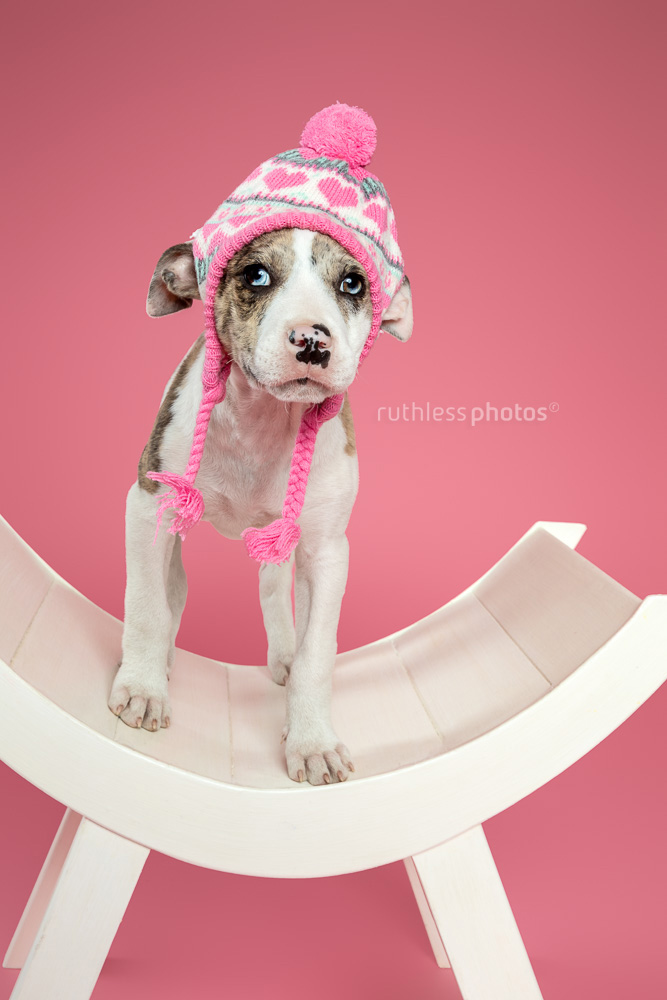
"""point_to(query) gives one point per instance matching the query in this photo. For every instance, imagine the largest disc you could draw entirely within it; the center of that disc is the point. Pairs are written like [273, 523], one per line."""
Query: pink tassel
[184, 498]
[274, 543]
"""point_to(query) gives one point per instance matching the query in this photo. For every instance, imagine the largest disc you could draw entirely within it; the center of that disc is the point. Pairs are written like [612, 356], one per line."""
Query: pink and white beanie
[322, 186]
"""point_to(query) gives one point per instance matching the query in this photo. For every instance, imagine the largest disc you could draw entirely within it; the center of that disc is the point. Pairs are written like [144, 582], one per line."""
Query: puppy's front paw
[140, 701]
[316, 755]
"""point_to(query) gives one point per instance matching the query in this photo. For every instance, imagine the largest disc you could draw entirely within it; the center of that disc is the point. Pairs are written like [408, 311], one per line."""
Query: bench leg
[475, 921]
[86, 907]
[42, 891]
[425, 910]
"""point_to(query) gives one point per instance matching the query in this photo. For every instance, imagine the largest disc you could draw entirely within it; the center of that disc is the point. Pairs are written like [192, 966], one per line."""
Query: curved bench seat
[449, 720]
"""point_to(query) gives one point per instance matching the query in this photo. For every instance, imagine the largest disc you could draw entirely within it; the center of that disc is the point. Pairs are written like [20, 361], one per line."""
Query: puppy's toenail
[138, 723]
[300, 776]
[154, 725]
[341, 776]
[327, 778]
[350, 766]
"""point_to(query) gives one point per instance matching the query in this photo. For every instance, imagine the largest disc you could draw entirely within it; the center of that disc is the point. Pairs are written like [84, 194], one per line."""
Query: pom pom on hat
[341, 132]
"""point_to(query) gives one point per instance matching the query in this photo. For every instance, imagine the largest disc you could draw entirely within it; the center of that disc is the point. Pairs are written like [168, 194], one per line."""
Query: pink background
[523, 147]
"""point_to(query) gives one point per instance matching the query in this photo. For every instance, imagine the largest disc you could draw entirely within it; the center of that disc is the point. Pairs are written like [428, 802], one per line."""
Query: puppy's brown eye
[257, 276]
[352, 283]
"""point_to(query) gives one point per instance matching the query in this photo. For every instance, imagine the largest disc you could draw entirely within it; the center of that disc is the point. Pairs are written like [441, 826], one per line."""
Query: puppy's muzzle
[313, 343]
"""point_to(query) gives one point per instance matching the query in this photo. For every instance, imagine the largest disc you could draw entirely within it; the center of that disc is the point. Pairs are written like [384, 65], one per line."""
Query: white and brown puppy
[293, 311]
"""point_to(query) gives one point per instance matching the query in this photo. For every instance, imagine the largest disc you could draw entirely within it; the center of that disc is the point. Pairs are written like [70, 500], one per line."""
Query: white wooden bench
[450, 720]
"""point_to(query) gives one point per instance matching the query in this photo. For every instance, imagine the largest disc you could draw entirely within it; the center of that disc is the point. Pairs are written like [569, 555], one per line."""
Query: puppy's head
[293, 310]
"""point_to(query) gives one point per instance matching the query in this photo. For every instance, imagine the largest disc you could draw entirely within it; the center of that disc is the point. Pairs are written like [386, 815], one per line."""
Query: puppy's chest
[244, 473]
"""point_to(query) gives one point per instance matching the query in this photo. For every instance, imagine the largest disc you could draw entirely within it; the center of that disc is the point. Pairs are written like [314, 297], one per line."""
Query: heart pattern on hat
[240, 220]
[378, 213]
[281, 178]
[338, 195]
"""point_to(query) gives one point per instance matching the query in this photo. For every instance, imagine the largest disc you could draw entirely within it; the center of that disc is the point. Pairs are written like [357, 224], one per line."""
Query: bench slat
[556, 605]
[24, 583]
[468, 672]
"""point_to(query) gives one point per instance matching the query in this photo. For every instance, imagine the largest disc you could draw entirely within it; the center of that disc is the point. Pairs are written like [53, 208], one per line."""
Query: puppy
[299, 270]
[284, 290]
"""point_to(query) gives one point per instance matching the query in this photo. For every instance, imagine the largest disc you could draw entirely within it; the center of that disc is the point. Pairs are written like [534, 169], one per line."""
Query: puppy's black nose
[313, 343]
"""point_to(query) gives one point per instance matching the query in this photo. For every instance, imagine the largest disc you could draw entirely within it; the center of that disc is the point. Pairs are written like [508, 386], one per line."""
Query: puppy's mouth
[297, 381]
[300, 390]
[304, 389]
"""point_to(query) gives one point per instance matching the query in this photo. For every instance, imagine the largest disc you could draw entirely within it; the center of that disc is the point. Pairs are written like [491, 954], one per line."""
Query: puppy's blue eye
[257, 276]
[353, 284]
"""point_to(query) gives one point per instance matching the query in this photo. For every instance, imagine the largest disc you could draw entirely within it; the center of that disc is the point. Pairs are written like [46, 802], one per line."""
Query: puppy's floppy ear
[397, 317]
[174, 283]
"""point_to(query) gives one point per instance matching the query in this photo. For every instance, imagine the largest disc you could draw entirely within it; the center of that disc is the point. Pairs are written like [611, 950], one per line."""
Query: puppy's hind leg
[275, 598]
[139, 692]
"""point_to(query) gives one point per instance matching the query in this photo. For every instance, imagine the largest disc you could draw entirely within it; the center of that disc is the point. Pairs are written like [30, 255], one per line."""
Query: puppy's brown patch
[348, 424]
[239, 307]
[334, 263]
[150, 460]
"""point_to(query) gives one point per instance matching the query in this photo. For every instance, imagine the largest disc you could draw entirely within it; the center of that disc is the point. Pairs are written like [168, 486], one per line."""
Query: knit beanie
[322, 186]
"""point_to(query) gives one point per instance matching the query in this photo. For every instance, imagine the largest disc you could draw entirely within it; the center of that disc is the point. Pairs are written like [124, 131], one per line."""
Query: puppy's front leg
[313, 750]
[153, 603]
[275, 597]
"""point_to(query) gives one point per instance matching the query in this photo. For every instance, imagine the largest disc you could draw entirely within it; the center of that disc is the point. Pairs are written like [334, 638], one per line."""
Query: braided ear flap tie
[276, 542]
[322, 186]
